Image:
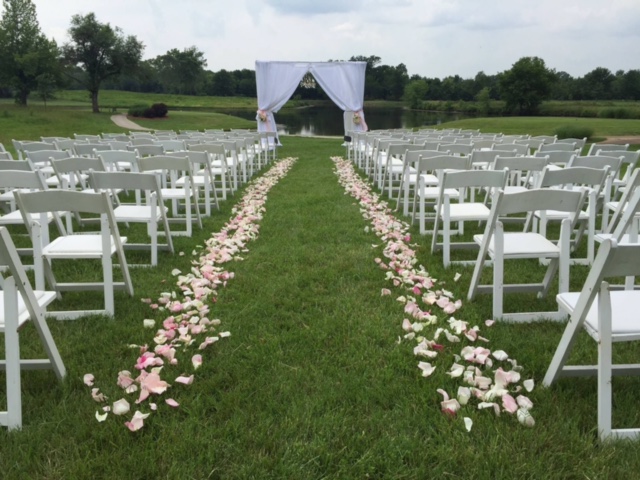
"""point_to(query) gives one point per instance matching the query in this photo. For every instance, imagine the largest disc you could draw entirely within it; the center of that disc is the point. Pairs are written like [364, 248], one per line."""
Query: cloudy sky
[433, 38]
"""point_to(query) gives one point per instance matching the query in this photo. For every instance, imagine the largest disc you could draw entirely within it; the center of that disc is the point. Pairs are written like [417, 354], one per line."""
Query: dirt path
[631, 140]
[123, 122]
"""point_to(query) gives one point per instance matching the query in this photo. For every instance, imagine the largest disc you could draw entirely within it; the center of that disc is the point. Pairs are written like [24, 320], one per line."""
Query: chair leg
[604, 363]
[498, 271]
[12, 355]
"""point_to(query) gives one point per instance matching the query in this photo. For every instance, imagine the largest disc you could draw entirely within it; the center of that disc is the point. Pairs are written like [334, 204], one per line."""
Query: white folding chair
[171, 170]
[409, 177]
[428, 167]
[19, 303]
[151, 213]
[447, 212]
[203, 178]
[594, 181]
[100, 245]
[608, 317]
[219, 166]
[500, 246]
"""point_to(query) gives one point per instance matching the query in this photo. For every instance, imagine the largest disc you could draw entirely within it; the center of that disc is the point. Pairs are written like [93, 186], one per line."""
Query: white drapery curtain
[343, 82]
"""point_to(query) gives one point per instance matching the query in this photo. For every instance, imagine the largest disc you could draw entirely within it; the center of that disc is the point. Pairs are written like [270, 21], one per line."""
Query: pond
[327, 120]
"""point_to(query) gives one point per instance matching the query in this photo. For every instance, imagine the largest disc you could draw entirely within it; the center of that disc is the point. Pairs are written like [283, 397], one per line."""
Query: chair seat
[625, 305]
[556, 215]
[459, 212]
[9, 197]
[42, 297]
[433, 192]
[601, 237]
[427, 179]
[15, 218]
[173, 193]
[78, 246]
[135, 213]
[523, 245]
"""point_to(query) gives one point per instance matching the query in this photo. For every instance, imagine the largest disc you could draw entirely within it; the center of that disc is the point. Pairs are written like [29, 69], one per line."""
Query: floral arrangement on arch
[356, 118]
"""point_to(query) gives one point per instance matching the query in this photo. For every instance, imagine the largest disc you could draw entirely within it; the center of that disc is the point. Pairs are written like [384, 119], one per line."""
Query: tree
[415, 93]
[101, 51]
[47, 87]
[181, 71]
[25, 53]
[526, 85]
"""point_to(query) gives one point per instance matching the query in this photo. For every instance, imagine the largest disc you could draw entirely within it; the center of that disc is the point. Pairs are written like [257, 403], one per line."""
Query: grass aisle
[312, 383]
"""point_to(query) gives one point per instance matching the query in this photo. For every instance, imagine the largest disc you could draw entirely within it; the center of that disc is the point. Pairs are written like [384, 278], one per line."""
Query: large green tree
[181, 71]
[25, 53]
[101, 51]
[526, 85]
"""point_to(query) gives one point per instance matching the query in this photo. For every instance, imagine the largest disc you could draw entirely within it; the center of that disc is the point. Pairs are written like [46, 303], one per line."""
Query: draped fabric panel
[343, 82]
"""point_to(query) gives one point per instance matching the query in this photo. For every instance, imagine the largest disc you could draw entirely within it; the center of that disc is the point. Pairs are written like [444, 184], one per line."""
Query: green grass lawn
[312, 382]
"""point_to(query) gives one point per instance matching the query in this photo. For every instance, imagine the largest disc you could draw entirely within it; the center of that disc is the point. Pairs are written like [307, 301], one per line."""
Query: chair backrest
[6, 155]
[43, 156]
[573, 176]
[164, 162]
[625, 206]
[89, 149]
[521, 164]
[77, 164]
[545, 138]
[556, 157]
[57, 200]
[212, 148]
[518, 148]
[473, 178]
[112, 159]
[118, 144]
[538, 199]
[628, 157]
[36, 146]
[606, 147]
[484, 156]
[579, 142]
[16, 165]
[456, 148]
[597, 161]
[22, 179]
[483, 143]
[563, 147]
[88, 138]
[67, 143]
[171, 145]
[146, 150]
[125, 180]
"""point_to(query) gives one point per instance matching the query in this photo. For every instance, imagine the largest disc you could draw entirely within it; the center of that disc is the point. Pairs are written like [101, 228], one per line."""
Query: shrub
[573, 131]
[157, 110]
[137, 110]
[615, 112]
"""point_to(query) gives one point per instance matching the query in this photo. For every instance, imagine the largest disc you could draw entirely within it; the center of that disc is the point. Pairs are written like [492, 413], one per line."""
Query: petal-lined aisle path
[312, 383]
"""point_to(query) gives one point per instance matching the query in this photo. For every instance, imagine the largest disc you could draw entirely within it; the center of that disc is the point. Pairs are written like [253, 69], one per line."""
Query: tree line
[99, 56]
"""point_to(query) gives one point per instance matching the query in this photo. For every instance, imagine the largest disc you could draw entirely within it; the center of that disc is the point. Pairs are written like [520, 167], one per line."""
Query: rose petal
[468, 423]
[101, 417]
[196, 360]
[88, 379]
[528, 385]
[525, 418]
[172, 403]
[148, 323]
[185, 380]
[120, 407]
[137, 422]
[427, 368]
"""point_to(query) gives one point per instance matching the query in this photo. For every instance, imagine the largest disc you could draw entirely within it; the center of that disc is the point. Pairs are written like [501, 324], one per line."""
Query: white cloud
[437, 38]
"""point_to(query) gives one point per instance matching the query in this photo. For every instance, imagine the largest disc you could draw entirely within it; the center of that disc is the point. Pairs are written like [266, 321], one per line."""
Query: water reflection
[328, 120]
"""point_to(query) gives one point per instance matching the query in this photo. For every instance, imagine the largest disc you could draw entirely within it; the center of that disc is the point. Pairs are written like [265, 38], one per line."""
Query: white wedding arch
[343, 82]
